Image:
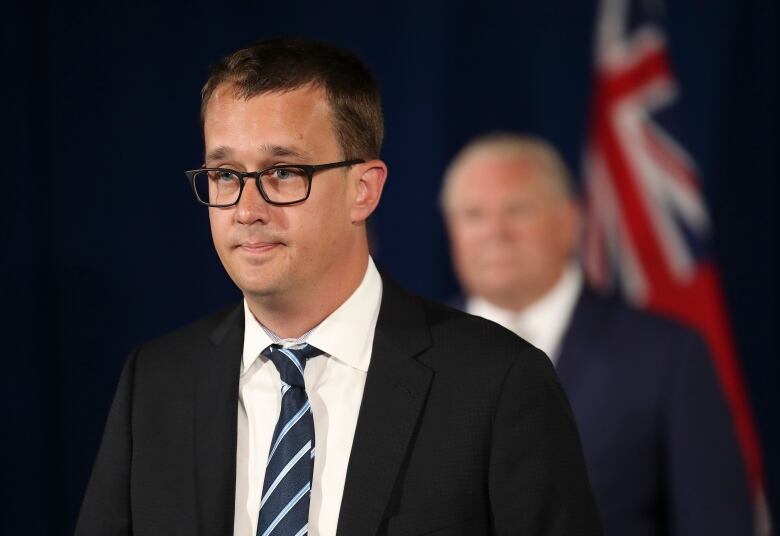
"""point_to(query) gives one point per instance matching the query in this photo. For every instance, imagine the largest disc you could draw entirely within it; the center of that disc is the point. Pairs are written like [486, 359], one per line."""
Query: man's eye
[285, 174]
[222, 176]
[472, 215]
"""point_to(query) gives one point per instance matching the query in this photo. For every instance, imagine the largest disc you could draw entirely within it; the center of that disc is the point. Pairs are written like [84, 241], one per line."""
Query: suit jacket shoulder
[176, 347]
[656, 431]
[463, 429]
[166, 464]
[461, 337]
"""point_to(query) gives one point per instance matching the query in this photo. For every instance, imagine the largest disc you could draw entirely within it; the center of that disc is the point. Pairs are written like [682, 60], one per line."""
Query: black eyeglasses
[279, 185]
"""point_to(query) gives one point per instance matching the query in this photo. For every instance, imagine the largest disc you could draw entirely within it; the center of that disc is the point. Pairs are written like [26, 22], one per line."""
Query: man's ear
[369, 189]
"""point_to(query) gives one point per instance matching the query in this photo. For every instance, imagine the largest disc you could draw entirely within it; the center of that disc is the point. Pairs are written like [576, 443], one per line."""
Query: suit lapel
[395, 391]
[216, 403]
[577, 353]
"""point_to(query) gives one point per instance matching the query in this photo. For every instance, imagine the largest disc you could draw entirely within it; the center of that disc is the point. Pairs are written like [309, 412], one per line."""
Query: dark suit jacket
[659, 445]
[463, 430]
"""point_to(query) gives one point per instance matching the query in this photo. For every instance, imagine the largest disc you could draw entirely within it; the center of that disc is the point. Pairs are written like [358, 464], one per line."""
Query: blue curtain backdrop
[103, 247]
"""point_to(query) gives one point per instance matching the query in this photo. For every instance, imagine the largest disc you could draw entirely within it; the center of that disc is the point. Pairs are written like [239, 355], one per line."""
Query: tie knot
[290, 362]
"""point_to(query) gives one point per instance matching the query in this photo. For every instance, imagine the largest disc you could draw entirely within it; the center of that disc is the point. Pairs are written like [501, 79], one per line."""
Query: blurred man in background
[661, 453]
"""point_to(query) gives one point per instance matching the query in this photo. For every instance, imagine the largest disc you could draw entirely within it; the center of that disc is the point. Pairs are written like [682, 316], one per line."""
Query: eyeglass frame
[310, 170]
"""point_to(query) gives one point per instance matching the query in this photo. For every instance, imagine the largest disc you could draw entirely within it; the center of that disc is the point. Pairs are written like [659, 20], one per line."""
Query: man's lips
[257, 247]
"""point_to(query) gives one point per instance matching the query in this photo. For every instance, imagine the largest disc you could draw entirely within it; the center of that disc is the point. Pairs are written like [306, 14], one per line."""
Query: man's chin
[256, 287]
[258, 290]
[257, 279]
[503, 293]
[499, 279]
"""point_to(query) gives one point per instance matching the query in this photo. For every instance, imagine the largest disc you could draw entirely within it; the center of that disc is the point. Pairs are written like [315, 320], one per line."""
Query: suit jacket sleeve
[106, 507]
[708, 492]
[538, 481]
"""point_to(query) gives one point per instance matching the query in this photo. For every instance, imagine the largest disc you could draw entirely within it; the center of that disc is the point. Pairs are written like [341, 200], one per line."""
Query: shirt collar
[549, 316]
[256, 339]
[346, 334]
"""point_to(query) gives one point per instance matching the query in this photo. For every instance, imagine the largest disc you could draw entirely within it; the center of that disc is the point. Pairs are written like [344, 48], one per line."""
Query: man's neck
[523, 298]
[293, 314]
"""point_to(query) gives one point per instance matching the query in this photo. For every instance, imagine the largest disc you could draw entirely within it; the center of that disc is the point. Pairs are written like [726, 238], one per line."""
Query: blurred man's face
[273, 250]
[512, 232]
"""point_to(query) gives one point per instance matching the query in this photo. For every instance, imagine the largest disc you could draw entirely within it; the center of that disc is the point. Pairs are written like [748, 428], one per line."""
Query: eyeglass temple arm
[345, 163]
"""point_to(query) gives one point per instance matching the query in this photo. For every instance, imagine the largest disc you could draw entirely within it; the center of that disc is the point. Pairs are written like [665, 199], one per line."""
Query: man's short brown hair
[279, 65]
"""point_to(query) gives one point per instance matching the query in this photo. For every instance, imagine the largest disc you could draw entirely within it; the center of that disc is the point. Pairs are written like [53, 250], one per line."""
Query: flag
[648, 227]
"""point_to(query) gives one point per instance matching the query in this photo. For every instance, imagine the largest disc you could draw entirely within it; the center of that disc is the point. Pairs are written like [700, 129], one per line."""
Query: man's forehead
[271, 124]
[500, 163]
[487, 172]
[264, 149]
[497, 179]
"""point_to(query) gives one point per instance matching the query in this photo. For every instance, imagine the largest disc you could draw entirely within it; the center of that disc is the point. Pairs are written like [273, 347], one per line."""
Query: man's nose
[497, 226]
[251, 206]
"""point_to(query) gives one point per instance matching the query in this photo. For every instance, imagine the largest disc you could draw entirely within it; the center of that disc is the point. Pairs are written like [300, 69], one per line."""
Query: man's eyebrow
[281, 150]
[218, 153]
[222, 152]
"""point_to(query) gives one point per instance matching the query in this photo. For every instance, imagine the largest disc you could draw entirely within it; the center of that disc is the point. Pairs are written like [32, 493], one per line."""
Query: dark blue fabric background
[103, 246]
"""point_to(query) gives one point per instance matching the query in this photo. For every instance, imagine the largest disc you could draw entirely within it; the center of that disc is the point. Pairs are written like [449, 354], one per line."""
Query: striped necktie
[284, 506]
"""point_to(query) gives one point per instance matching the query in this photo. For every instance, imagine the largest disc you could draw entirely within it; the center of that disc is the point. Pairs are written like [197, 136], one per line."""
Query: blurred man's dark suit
[463, 430]
[661, 452]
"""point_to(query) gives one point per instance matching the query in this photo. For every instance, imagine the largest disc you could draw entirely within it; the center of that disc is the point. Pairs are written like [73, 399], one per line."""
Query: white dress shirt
[544, 322]
[334, 384]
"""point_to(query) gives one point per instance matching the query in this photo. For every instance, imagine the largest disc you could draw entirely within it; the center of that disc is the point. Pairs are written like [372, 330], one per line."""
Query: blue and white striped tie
[284, 506]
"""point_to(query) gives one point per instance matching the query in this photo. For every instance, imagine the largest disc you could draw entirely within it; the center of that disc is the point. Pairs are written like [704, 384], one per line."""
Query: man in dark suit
[658, 442]
[330, 401]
